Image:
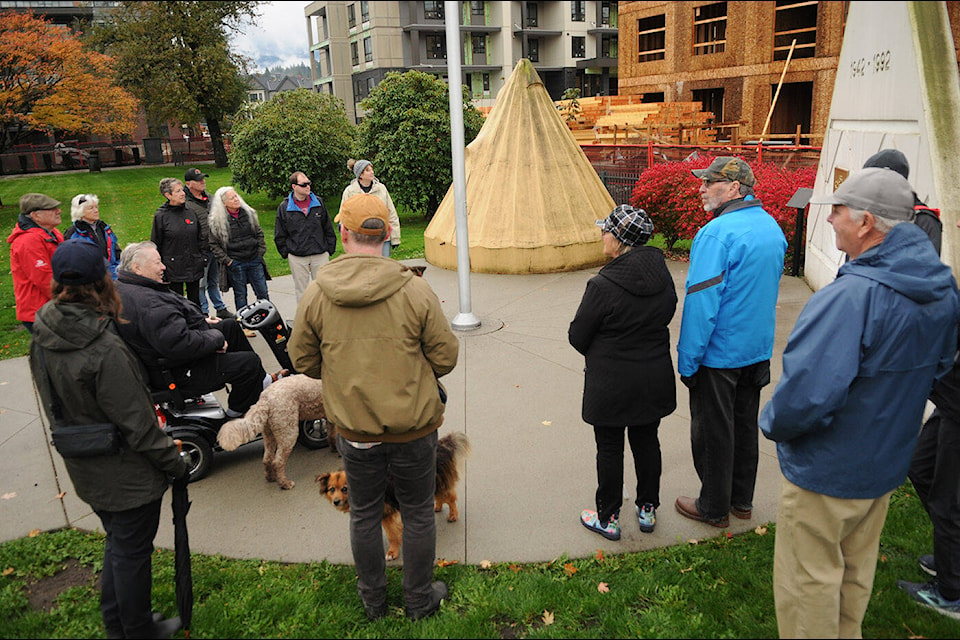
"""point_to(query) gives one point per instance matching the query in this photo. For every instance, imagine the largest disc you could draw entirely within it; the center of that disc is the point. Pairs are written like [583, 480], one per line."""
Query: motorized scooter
[197, 421]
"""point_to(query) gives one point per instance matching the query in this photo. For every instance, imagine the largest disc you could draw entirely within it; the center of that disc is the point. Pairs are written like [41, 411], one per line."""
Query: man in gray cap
[857, 370]
[726, 339]
[32, 243]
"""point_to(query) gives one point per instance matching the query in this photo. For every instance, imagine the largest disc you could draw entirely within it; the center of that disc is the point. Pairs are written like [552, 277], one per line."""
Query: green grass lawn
[720, 587]
[128, 199]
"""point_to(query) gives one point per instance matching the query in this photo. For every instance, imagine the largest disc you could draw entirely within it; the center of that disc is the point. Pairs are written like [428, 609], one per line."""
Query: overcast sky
[278, 38]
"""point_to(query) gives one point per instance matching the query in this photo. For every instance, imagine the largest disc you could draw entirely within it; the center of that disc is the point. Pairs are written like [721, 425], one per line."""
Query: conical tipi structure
[532, 195]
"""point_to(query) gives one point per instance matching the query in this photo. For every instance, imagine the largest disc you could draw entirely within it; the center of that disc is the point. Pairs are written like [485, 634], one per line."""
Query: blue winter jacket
[101, 235]
[730, 308]
[859, 366]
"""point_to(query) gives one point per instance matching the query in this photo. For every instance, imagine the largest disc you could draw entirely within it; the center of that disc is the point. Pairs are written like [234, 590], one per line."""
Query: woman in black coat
[180, 240]
[622, 328]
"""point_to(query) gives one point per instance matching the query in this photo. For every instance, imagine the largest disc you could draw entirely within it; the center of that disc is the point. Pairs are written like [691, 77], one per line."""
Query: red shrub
[669, 193]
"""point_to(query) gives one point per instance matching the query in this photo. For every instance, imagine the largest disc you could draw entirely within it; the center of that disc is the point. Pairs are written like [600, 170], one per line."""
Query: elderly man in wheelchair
[175, 340]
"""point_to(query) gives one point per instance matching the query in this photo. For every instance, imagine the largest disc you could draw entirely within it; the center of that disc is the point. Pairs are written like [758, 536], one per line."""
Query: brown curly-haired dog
[451, 449]
[277, 415]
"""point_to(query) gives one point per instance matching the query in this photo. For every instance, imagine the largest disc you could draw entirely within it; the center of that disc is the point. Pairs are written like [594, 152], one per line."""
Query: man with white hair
[857, 370]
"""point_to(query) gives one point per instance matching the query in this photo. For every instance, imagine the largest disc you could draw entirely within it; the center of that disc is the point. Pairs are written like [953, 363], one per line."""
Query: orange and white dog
[451, 449]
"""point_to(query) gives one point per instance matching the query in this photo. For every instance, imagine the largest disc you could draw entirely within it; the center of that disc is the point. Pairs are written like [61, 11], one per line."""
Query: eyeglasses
[305, 184]
[82, 200]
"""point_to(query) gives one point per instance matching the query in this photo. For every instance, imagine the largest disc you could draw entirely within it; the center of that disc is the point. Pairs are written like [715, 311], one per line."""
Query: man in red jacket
[32, 243]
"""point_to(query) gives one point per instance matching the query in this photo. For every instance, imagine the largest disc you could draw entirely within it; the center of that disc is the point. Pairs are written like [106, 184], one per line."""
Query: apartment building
[730, 57]
[354, 44]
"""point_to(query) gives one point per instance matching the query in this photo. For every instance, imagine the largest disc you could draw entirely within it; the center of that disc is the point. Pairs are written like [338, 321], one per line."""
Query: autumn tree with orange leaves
[50, 82]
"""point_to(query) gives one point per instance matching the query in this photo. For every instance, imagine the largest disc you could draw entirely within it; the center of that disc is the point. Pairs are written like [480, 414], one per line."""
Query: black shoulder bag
[82, 440]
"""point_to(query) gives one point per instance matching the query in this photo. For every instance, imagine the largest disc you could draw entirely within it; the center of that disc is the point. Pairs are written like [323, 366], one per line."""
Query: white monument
[897, 86]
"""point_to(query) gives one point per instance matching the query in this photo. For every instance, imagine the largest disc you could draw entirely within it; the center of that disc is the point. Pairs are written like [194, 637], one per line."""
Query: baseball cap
[728, 168]
[30, 202]
[881, 191]
[360, 208]
[194, 174]
[78, 262]
[632, 227]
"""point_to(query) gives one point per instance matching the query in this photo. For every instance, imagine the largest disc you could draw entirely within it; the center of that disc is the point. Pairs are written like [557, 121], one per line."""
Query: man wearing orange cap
[379, 337]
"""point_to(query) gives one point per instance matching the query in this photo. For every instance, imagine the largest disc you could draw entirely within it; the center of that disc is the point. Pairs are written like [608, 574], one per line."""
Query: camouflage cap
[728, 168]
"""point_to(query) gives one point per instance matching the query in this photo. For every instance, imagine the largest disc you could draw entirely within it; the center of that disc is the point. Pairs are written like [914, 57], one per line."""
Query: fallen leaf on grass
[446, 563]
[485, 564]
[599, 555]
[8, 496]
[760, 531]
[686, 570]
[569, 569]
[8, 571]
[515, 568]
[603, 588]
[883, 558]
[547, 618]
[34, 533]
[693, 541]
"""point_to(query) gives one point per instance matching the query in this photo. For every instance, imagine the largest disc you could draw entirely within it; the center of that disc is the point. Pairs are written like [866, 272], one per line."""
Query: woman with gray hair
[87, 225]
[622, 329]
[180, 240]
[366, 182]
[237, 241]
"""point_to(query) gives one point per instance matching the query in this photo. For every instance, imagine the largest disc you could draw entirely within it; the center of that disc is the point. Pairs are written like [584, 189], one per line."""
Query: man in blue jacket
[726, 339]
[857, 371]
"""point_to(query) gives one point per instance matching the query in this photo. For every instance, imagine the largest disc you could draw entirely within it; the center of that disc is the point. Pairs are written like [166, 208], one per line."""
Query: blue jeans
[413, 466]
[243, 272]
[210, 284]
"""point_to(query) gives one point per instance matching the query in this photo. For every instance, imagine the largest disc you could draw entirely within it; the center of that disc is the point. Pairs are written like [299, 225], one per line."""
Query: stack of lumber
[626, 120]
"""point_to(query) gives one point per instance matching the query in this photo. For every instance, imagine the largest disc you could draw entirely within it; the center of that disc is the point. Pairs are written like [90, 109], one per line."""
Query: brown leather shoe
[687, 507]
[743, 514]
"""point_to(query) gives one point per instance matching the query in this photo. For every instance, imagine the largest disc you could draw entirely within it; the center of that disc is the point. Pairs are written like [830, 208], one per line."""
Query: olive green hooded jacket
[98, 380]
[377, 335]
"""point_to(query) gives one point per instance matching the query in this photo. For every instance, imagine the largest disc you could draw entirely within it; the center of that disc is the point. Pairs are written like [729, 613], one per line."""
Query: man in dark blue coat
[857, 370]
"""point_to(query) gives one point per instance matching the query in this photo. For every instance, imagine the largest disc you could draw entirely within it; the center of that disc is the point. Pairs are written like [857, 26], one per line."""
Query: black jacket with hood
[622, 328]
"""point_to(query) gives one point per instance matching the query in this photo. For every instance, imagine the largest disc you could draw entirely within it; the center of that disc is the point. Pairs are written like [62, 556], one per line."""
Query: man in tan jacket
[379, 338]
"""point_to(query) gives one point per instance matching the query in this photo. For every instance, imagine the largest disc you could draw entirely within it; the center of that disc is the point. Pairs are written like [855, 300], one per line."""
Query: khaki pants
[304, 270]
[824, 562]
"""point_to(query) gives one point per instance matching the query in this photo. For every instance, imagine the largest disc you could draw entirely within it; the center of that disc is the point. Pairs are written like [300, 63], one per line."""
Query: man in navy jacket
[857, 371]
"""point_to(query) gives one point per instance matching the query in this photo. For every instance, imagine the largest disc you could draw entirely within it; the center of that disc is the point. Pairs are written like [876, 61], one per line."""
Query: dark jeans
[127, 570]
[210, 287]
[193, 290]
[724, 406]
[645, 447]
[935, 474]
[246, 272]
[413, 467]
[239, 367]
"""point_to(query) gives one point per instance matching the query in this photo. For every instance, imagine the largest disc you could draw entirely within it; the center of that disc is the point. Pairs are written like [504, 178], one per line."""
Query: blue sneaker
[929, 596]
[647, 517]
[610, 531]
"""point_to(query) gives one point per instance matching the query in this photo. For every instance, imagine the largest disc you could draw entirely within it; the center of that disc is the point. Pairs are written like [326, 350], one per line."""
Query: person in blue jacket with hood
[726, 339]
[857, 370]
[87, 225]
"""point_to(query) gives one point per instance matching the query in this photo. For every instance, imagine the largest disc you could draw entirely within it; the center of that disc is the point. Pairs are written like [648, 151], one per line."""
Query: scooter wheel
[313, 434]
[198, 454]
